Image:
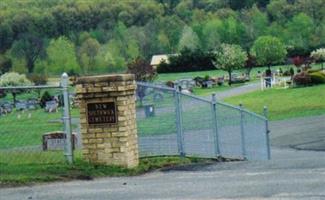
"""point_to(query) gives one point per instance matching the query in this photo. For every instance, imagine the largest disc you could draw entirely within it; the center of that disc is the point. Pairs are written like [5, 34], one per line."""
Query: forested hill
[82, 36]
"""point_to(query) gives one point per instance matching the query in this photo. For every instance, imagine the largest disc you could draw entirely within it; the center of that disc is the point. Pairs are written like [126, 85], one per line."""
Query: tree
[280, 10]
[319, 55]
[14, 79]
[313, 8]
[30, 47]
[268, 50]
[300, 30]
[109, 59]
[210, 34]
[250, 63]
[5, 64]
[6, 37]
[143, 71]
[62, 56]
[232, 31]
[189, 39]
[87, 53]
[230, 57]
[256, 23]
[126, 44]
[298, 61]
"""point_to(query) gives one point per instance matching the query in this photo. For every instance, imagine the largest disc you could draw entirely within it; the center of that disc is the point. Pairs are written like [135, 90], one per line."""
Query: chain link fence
[174, 123]
[35, 126]
[169, 123]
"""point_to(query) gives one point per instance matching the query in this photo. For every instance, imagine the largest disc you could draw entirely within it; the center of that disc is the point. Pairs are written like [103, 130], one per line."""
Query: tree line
[98, 36]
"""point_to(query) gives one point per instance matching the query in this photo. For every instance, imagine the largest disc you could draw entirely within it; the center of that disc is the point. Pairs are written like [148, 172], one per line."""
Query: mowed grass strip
[29, 173]
[285, 103]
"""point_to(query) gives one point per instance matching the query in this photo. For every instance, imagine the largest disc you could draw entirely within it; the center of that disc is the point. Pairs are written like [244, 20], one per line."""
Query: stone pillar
[107, 117]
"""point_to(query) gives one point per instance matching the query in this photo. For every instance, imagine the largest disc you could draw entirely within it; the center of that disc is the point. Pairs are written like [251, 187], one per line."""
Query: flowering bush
[14, 79]
[302, 79]
[318, 55]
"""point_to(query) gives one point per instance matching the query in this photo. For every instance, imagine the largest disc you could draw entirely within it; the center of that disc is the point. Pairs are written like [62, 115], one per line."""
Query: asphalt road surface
[301, 176]
[291, 174]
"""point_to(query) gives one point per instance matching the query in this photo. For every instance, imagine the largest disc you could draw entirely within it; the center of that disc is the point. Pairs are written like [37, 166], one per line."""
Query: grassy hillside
[285, 103]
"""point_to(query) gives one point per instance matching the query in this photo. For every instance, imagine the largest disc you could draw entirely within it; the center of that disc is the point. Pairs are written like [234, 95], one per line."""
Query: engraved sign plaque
[101, 113]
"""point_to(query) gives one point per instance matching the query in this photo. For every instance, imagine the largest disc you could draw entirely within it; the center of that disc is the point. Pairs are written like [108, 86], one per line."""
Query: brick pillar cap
[105, 78]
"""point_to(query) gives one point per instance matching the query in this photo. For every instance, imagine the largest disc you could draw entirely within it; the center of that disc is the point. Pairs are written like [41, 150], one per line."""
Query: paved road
[301, 133]
[250, 87]
[296, 177]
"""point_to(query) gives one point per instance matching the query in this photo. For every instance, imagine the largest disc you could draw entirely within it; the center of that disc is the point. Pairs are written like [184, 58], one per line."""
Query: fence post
[66, 118]
[215, 124]
[242, 131]
[179, 122]
[267, 133]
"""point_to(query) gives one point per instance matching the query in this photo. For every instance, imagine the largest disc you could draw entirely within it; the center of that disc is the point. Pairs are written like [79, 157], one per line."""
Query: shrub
[313, 70]
[291, 71]
[206, 77]
[45, 97]
[142, 70]
[14, 79]
[5, 64]
[317, 77]
[170, 84]
[302, 79]
[297, 61]
[188, 60]
[319, 55]
[38, 79]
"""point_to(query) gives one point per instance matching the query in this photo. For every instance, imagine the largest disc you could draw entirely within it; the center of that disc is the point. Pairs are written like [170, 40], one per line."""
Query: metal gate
[174, 123]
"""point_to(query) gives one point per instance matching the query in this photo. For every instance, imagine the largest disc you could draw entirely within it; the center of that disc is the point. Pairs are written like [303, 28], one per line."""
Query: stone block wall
[109, 143]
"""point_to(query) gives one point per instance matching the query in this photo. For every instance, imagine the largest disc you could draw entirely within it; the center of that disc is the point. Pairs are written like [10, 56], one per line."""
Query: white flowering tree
[12, 79]
[319, 55]
[229, 58]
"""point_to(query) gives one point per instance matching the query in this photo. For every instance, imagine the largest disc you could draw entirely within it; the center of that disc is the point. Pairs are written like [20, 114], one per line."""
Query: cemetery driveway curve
[250, 87]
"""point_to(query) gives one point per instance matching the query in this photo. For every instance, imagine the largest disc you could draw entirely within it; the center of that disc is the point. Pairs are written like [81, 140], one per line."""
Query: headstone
[56, 141]
[51, 106]
[107, 118]
[21, 105]
[32, 104]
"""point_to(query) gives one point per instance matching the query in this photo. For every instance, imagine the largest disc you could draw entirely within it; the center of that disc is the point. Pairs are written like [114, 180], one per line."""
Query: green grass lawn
[25, 129]
[285, 103]
[163, 77]
[27, 173]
